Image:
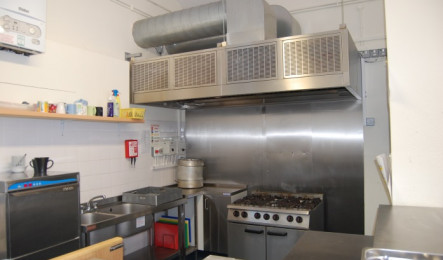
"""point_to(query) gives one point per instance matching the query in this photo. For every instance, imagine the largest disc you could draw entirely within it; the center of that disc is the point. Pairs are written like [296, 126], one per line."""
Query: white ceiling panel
[171, 5]
[150, 8]
[191, 3]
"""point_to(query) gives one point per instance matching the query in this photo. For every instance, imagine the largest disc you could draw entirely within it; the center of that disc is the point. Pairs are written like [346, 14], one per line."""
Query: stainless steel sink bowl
[94, 217]
[390, 254]
[122, 209]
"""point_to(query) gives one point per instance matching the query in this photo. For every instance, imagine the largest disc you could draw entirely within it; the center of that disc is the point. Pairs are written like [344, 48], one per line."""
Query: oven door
[246, 241]
[280, 241]
[44, 221]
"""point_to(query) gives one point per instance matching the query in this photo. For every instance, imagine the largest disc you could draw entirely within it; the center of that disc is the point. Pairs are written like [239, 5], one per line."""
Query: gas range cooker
[291, 210]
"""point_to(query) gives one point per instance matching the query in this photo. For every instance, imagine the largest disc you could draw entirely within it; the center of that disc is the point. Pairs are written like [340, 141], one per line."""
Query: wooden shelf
[32, 114]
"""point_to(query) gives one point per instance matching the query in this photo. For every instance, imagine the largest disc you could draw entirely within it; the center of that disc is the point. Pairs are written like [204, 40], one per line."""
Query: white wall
[376, 137]
[84, 58]
[414, 47]
[364, 18]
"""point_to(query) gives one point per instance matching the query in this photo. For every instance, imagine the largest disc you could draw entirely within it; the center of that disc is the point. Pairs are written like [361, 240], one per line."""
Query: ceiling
[150, 8]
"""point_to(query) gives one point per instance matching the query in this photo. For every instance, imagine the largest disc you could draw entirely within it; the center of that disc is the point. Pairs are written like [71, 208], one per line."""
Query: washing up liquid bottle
[116, 103]
[110, 106]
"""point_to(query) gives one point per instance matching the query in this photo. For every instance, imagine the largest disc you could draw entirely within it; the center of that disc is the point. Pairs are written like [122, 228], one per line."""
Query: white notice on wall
[384, 165]
[140, 222]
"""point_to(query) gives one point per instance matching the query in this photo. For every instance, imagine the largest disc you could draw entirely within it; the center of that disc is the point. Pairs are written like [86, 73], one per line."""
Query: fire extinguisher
[131, 150]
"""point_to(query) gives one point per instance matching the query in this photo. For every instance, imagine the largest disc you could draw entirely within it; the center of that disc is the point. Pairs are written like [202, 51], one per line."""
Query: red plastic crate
[166, 235]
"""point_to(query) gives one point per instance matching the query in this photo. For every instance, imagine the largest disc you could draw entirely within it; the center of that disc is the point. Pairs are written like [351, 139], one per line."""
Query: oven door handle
[278, 234]
[254, 231]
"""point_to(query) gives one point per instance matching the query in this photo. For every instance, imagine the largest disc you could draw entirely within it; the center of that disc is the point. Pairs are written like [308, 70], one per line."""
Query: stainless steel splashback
[324, 61]
[295, 146]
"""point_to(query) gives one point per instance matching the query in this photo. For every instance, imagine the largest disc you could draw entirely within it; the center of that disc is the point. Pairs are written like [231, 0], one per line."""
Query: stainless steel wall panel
[231, 142]
[338, 162]
[288, 149]
[308, 146]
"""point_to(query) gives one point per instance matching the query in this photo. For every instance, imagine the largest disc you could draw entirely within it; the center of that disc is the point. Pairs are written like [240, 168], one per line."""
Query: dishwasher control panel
[39, 183]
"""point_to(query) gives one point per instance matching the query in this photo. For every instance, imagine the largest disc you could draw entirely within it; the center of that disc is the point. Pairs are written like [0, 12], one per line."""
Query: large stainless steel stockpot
[190, 173]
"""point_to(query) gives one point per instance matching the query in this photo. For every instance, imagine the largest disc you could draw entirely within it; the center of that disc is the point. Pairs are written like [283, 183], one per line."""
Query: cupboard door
[280, 241]
[246, 241]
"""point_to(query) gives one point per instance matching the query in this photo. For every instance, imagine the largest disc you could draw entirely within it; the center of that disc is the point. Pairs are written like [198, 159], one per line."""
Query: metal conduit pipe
[194, 45]
[185, 25]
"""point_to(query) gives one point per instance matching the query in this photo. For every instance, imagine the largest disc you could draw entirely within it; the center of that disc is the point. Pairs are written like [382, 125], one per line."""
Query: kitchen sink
[122, 209]
[94, 217]
[388, 254]
[122, 220]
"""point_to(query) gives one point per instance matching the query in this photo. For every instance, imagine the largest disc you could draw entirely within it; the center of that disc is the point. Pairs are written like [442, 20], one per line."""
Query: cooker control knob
[266, 216]
[299, 219]
[244, 214]
[290, 218]
[236, 213]
[257, 215]
[275, 217]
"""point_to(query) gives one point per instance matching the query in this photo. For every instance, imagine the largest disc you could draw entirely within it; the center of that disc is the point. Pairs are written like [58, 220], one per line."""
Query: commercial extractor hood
[303, 65]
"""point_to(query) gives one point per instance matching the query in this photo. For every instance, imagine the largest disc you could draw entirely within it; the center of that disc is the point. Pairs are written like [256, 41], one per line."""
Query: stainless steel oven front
[39, 217]
[265, 226]
[260, 242]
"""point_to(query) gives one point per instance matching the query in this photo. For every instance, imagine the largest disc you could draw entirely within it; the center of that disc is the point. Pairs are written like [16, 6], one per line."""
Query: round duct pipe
[286, 23]
[181, 26]
[194, 45]
[198, 28]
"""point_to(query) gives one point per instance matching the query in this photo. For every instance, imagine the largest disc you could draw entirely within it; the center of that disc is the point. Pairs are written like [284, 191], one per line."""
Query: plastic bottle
[116, 103]
[111, 102]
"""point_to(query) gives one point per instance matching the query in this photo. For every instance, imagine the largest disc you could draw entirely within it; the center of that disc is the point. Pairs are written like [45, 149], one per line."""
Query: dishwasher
[39, 216]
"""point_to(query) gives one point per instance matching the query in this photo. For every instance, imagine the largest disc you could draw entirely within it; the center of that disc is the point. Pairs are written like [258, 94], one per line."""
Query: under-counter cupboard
[134, 222]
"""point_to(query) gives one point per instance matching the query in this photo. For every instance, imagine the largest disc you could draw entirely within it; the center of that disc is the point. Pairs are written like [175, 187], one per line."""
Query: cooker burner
[279, 209]
[279, 201]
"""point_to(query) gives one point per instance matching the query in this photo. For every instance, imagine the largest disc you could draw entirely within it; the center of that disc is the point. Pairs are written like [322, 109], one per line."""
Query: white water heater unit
[23, 26]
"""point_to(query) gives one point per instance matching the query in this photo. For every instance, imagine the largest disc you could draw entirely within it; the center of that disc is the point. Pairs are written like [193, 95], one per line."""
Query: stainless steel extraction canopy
[327, 62]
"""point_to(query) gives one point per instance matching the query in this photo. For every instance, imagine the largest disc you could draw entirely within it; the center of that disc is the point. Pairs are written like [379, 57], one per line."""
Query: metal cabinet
[215, 214]
[255, 242]
[247, 241]
[215, 228]
[279, 241]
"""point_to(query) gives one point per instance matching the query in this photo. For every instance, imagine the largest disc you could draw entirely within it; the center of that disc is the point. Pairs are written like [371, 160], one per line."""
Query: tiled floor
[197, 255]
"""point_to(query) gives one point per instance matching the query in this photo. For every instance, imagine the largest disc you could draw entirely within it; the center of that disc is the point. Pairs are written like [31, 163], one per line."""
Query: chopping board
[111, 249]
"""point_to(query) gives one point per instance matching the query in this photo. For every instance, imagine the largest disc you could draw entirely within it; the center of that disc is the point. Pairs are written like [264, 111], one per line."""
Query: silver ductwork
[195, 45]
[203, 27]
[181, 26]
[327, 62]
[286, 24]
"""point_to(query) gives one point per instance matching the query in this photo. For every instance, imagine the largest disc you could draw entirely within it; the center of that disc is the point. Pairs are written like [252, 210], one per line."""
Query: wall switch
[157, 151]
[370, 121]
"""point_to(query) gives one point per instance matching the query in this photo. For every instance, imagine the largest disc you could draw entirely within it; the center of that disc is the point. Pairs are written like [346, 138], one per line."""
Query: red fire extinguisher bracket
[131, 148]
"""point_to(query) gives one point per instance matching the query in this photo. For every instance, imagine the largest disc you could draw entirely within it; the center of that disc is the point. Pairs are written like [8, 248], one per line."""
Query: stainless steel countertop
[122, 218]
[318, 245]
[409, 228]
[209, 188]
[214, 189]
